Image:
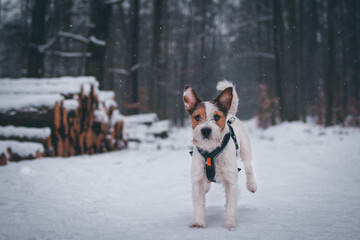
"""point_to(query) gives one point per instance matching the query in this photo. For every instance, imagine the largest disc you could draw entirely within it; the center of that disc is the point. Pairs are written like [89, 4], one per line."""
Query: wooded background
[289, 59]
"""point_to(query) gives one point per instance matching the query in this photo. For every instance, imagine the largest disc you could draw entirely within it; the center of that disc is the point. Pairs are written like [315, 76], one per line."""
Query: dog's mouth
[206, 143]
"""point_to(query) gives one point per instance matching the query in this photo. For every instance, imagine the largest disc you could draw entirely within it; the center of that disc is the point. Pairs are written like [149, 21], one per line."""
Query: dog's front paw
[230, 226]
[251, 186]
[197, 225]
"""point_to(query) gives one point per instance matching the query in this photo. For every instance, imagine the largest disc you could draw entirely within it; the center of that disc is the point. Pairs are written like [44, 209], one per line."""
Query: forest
[289, 59]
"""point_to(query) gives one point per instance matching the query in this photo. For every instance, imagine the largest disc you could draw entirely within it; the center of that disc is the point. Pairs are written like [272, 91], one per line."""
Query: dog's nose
[206, 132]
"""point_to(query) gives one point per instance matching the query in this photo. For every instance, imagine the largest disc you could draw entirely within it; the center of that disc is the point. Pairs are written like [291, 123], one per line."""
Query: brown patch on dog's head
[191, 100]
[220, 119]
[223, 101]
[198, 115]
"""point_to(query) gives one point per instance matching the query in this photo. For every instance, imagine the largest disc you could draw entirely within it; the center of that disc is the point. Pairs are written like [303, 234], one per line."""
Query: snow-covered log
[160, 129]
[17, 151]
[26, 134]
[66, 86]
[27, 102]
[30, 110]
[146, 119]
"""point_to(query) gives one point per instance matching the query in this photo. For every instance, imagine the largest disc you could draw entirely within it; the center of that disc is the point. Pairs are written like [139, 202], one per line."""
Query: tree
[35, 59]
[331, 71]
[134, 54]
[155, 59]
[100, 15]
[292, 78]
[278, 26]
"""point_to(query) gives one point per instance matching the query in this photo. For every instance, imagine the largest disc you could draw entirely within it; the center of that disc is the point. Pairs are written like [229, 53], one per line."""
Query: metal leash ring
[231, 120]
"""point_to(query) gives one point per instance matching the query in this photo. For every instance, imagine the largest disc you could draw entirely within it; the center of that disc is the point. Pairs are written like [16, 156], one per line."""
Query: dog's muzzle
[206, 132]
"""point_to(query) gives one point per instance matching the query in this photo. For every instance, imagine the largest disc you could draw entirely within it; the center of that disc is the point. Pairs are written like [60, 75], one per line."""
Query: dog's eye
[197, 118]
[216, 117]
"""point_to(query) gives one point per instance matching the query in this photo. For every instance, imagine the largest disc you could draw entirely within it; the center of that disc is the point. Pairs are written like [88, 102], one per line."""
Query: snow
[23, 149]
[116, 117]
[160, 126]
[142, 128]
[71, 104]
[28, 102]
[146, 118]
[308, 189]
[62, 85]
[25, 132]
[108, 98]
[100, 115]
[106, 95]
[110, 103]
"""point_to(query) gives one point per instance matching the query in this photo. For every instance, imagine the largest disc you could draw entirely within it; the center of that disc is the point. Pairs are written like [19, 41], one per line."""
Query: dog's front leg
[231, 190]
[198, 193]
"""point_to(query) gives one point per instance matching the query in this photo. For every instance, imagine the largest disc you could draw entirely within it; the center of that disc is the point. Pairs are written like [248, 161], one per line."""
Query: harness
[211, 156]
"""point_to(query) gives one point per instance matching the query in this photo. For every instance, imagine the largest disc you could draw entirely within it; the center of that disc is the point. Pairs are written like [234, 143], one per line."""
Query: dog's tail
[235, 101]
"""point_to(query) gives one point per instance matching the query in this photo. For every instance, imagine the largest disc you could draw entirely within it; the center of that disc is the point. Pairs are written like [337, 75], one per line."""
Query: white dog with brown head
[211, 132]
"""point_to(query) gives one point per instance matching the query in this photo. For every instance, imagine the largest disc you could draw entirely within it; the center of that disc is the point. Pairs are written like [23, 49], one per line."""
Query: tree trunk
[311, 62]
[134, 53]
[331, 71]
[344, 65]
[203, 54]
[35, 59]
[184, 60]
[354, 42]
[100, 15]
[300, 62]
[155, 69]
[278, 23]
[165, 81]
[291, 99]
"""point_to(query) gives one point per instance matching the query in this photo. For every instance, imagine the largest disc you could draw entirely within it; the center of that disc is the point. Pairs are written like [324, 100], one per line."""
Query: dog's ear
[223, 101]
[190, 99]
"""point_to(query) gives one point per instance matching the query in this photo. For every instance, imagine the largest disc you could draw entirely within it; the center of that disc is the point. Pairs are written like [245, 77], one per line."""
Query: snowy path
[309, 188]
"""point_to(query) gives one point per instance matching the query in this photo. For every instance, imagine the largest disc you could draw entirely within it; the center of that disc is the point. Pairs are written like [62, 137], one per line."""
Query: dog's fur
[202, 117]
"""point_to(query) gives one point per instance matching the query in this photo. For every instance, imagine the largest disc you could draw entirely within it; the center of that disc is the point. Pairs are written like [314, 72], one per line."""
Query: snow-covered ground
[308, 176]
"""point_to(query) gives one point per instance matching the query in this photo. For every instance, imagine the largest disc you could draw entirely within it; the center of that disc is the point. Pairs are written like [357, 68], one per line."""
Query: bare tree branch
[113, 1]
[67, 54]
[255, 20]
[119, 71]
[256, 54]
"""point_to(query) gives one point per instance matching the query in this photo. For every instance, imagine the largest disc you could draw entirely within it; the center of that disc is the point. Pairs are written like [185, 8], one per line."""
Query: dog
[209, 121]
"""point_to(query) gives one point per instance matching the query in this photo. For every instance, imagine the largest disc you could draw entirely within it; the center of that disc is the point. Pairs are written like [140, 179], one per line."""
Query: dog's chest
[225, 165]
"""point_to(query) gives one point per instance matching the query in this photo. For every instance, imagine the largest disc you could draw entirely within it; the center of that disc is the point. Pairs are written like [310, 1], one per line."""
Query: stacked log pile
[145, 128]
[78, 117]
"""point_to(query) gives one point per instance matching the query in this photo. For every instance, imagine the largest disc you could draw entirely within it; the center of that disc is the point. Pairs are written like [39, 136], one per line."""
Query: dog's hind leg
[246, 157]
[198, 193]
[207, 186]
